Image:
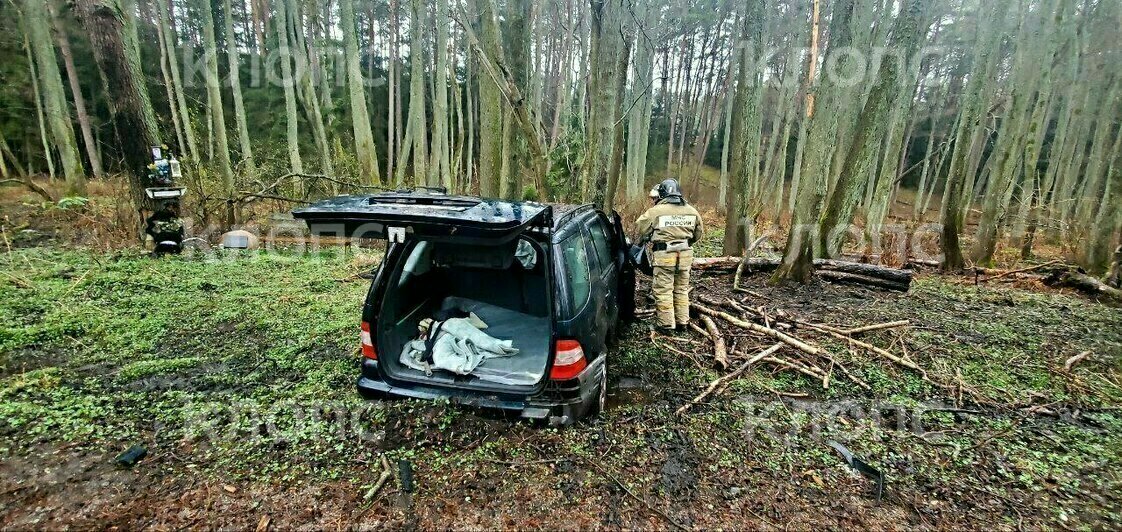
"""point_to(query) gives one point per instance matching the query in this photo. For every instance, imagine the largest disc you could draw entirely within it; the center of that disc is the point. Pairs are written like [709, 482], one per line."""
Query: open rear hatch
[396, 216]
[456, 251]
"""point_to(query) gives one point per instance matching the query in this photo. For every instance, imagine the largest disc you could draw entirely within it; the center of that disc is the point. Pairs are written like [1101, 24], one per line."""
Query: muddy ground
[236, 373]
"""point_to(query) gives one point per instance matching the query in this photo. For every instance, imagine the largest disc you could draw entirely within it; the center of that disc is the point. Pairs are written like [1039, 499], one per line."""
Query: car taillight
[368, 350]
[568, 362]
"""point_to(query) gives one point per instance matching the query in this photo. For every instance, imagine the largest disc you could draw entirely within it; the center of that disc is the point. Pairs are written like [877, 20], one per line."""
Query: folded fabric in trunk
[457, 345]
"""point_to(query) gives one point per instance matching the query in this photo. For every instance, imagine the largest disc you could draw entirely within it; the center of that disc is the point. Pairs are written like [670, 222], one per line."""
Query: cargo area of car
[506, 286]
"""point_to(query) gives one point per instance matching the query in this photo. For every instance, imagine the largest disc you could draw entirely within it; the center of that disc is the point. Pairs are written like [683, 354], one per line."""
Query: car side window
[601, 243]
[574, 253]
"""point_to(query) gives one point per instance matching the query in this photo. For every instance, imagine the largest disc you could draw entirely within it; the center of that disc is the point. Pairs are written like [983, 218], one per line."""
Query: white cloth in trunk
[460, 347]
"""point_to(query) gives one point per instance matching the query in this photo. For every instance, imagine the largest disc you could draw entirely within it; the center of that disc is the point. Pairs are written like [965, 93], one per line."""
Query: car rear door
[397, 216]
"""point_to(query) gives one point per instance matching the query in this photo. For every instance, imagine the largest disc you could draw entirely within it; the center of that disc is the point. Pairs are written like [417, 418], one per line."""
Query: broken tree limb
[870, 347]
[797, 367]
[830, 270]
[720, 353]
[760, 329]
[1086, 284]
[1020, 271]
[719, 383]
[878, 327]
[1071, 362]
[862, 280]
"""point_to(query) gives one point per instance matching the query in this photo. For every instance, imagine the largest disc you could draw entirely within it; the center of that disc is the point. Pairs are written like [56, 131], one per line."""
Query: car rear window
[574, 252]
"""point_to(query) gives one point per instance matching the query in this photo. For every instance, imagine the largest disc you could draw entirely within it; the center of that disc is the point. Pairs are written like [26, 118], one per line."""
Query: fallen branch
[830, 270]
[720, 353]
[1071, 362]
[719, 383]
[797, 367]
[1085, 283]
[863, 280]
[1000, 275]
[870, 347]
[386, 474]
[878, 327]
[767, 331]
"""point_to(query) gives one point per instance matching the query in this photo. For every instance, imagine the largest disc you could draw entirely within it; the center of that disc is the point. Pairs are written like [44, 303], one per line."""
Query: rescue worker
[673, 227]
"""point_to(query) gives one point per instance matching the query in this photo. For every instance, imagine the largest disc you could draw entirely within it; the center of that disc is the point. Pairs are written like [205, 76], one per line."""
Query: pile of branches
[790, 351]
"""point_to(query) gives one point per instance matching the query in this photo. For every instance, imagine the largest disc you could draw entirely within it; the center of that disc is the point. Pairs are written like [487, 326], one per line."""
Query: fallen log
[720, 353]
[719, 383]
[1086, 284]
[830, 270]
[863, 280]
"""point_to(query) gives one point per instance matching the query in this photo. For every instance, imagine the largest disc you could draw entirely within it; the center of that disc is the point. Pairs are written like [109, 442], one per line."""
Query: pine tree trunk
[365, 149]
[54, 96]
[236, 88]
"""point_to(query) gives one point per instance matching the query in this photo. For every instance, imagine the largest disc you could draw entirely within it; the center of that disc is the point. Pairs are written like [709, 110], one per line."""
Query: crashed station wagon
[489, 303]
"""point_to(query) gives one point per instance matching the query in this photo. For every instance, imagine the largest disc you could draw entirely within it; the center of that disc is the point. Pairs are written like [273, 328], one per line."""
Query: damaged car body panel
[554, 280]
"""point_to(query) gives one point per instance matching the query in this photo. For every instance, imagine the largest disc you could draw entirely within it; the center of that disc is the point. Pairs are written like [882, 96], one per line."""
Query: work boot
[663, 329]
[682, 327]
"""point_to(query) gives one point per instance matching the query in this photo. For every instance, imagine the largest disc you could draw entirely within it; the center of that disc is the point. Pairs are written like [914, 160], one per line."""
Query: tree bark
[76, 91]
[280, 19]
[54, 96]
[107, 27]
[217, 113]
[365, 149]
[233, 56]
[168, 43]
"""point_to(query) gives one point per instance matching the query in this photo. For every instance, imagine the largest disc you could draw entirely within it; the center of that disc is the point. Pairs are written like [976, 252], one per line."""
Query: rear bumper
[559, 403]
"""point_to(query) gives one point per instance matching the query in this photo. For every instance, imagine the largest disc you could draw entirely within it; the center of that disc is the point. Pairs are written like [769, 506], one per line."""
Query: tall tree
[234, 59]
[604, 107]
[823, 103]
[745, 138]
[967, 138]
[54, 97]
[490, 105]
[215, 110]
[168, 43]
[441, 174]
[288, 81]
[76, 92]
[365, 149]
[891, 97]
[108, 29]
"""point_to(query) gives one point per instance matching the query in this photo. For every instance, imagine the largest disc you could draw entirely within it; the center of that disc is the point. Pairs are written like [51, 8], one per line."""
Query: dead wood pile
[791, 345]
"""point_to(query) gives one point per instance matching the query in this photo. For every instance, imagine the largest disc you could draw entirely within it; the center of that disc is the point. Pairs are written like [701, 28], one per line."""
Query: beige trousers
[671, 286]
